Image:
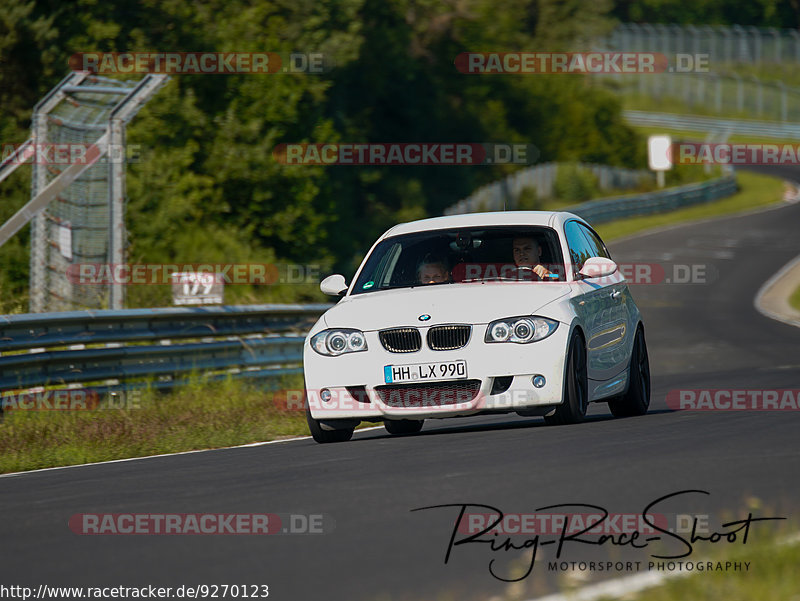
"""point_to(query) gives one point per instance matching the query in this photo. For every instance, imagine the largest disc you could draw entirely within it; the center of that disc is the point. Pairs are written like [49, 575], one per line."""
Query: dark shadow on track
[517, 424]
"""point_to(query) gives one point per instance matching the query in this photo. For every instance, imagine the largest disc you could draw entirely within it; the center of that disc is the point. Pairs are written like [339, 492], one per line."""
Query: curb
[772, 299]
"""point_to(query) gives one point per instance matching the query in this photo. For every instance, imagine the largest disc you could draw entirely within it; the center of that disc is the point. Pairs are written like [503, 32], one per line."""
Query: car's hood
[457, 303]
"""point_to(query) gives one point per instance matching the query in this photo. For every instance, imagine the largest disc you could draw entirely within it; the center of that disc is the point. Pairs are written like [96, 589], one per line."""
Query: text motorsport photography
[516, 539]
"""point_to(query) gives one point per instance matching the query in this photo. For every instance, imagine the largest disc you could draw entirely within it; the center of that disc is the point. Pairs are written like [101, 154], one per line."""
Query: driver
[528, 253]
[432, 271]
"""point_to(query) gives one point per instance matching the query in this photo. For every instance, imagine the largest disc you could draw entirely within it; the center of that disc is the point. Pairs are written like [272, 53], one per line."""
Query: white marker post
[659, 156]
[193, 288]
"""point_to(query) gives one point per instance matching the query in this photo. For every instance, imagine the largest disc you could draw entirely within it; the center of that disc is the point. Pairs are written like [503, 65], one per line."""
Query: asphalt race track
[700, 335]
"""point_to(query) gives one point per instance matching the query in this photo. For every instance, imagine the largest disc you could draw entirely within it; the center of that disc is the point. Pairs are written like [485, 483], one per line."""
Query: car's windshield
[463, 256]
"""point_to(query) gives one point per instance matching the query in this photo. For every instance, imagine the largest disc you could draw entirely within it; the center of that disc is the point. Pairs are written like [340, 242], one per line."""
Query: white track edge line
[767, 285]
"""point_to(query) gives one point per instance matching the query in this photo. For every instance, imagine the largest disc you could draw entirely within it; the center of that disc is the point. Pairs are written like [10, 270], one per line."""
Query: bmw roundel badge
[424, 317]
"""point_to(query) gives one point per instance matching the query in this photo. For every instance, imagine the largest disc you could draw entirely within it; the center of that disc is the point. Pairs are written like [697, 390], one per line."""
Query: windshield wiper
[496, 278]
[413, 285]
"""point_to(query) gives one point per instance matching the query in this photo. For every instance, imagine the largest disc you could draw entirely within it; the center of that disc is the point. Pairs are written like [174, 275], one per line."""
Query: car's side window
[579, 249]
[595, 244]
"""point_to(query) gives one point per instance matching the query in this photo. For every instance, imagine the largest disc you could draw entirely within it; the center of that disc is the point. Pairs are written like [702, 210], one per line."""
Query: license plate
[425, 372]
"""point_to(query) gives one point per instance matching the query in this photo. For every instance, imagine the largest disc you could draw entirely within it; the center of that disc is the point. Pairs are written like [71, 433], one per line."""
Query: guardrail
[613, 207]
[110, 351]
[505, 193]
[767, 129]
[608, 209]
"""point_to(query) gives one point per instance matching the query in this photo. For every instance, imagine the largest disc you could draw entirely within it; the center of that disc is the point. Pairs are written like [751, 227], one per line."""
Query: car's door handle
[616, 293]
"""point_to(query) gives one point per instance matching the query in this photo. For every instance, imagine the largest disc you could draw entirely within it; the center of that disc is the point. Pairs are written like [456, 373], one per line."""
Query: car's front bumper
[354, 379]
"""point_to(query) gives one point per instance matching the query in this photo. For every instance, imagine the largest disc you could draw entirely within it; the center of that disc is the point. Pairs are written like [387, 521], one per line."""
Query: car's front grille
[447, 338]
[401, 340]
[429, 394]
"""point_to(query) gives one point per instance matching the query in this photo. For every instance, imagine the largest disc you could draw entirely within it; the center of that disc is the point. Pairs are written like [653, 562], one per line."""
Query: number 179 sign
[192, 288]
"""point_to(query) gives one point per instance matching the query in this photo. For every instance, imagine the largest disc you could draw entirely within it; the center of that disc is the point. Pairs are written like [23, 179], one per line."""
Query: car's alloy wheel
[324, 436]
[637, 398]
[576, 387]
[403, 426]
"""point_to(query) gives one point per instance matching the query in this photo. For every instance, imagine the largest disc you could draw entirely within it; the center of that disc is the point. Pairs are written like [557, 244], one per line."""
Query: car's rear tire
[403, 426]
[636, 399]
[576, 387]
[324, 436]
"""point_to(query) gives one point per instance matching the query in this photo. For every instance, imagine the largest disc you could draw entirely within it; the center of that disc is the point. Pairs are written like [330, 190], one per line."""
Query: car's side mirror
[597, 267]
[333, 285]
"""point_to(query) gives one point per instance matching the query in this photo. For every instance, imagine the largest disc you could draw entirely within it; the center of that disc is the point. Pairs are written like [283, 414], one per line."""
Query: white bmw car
[473, 314]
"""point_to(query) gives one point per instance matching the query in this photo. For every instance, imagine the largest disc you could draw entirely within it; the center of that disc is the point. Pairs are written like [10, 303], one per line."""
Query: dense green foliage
[575, 184]
[759, 13]
[207, 188]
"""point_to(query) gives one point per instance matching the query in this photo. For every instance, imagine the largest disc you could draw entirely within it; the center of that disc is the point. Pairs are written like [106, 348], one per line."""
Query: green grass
[638, 102]
[199, 416]
[672, 97]
[794, 299]
[675, 103]
[754, 191]
[788, 73]
[700, 136]
[773, 575]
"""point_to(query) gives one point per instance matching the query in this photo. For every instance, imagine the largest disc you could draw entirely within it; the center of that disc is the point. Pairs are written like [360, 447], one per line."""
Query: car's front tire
[403, 426]
[572, 410]
[324, 436]
[636, 399]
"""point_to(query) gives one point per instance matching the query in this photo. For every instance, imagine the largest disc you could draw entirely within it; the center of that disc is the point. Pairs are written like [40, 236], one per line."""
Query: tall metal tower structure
[77, 209]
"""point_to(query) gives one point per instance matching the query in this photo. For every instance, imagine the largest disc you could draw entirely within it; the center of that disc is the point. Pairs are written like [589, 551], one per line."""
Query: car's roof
[540, 218]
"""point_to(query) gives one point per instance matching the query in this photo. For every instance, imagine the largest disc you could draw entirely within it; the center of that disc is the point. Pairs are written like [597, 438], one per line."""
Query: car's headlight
[338, 342]
[523, 329]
